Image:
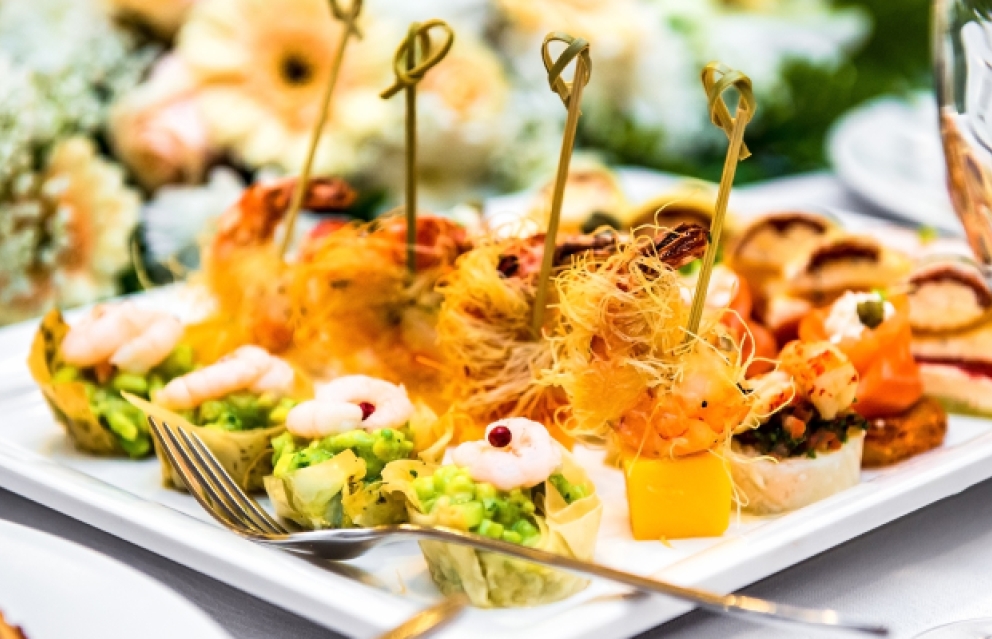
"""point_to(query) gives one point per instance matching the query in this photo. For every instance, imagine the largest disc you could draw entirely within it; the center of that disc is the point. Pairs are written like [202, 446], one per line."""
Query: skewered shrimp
[693, 415]
[385, 405]
[769, 393]
[252, 221]
[314, 419]
[823, 374]
[516, 453]
[150, 347]
[249, 367]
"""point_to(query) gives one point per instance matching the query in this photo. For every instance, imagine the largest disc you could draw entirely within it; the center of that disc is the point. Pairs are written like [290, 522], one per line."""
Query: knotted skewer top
[349, 18]
[570, 93]
[576, 48]
[717, 80]
[419, 33]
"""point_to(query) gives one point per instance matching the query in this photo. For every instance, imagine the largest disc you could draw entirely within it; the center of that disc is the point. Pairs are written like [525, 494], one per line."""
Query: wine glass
[962, 59]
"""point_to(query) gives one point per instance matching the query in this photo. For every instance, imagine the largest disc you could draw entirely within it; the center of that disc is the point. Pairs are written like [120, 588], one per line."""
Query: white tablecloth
[932, 567]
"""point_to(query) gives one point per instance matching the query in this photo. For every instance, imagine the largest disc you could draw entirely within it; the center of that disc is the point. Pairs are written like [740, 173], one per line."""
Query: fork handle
[751, 608]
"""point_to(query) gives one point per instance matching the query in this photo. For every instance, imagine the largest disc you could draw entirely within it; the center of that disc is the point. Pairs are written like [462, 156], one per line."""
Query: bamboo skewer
[409, 72]
[571, 96]
[717, 79]
[350, 29]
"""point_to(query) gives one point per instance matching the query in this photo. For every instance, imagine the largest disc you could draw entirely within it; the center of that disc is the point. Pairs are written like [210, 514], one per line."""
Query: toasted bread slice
[948, 297]
[842, 263]
[920, 428]
[685, 205]
[770, 243]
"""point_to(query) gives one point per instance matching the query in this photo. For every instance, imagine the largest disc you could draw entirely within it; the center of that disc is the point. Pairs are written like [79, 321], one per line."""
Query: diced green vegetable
[131, 383]
[66, 374]
[178, 363]
[459, 502]
[570, 492]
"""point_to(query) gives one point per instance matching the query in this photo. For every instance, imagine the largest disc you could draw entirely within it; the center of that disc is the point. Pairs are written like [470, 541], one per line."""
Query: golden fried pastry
[891, 439]
[10, 632]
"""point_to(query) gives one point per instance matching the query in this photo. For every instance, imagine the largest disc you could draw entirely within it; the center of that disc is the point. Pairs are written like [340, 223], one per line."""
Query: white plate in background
[55, 589]
[888, 151]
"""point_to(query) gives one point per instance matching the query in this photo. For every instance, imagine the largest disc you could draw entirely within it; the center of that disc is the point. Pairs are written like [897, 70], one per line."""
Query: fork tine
[188, 478]
[206, 485]
[216, 472]
[210, 488]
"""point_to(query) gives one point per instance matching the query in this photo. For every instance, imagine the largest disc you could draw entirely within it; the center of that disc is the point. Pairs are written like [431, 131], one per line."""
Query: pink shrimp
[132, 338]
[248, 368]
[515, 453]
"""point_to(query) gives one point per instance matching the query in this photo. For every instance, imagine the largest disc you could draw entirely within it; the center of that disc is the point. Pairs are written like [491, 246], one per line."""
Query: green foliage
[789, 137]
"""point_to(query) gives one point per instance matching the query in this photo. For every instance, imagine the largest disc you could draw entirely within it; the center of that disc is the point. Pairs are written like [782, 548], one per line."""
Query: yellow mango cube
[678, 498]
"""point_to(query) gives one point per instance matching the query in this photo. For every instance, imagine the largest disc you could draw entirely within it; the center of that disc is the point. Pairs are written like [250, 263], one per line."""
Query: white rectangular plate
[368, 596]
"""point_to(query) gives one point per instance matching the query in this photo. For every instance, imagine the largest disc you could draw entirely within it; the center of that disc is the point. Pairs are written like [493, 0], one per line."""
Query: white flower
[65, 232]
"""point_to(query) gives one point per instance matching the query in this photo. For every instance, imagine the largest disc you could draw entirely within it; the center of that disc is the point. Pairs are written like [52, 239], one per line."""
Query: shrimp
[252, 221]
[246, 275]
[516, 453]
[314, 419]
[249, 367]
[383, 405]
[769, 394]
[822, 374]
[94, 339]
[150, 347]
[693, 415]
[129, 337]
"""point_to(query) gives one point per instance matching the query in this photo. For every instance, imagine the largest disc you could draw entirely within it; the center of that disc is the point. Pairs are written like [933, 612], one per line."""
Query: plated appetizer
[874, 332]
[491, 358]
[767, 245]
[671, 403]
[327, 466]
[244, 272]
[83, 369]
[805, 441]
[951, 315]
[834, 265]
[235, 405]
[516, 484]
[357, 307]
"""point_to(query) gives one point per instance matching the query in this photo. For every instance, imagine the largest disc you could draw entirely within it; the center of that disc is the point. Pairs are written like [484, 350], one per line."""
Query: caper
[871, 313]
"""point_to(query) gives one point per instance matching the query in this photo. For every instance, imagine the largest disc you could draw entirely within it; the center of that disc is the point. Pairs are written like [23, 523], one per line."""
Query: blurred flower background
[144, 119]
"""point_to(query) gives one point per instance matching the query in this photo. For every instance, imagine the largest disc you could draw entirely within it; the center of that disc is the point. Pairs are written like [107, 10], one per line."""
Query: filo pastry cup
[245, 455]
[491, 580]
[334, 493]
[767, 486]
[67, 400]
